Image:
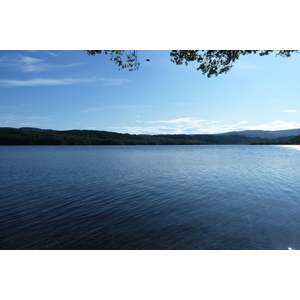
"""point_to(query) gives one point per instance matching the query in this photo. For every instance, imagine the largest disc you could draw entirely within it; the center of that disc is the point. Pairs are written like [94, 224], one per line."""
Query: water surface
[149, 197]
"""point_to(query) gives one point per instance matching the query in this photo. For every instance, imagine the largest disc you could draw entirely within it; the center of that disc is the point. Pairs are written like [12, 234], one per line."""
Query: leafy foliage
[131, 59]
[215, 62]
[211, 62]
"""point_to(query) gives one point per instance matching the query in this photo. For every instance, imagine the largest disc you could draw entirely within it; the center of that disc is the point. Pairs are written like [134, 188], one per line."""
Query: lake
[150, 197]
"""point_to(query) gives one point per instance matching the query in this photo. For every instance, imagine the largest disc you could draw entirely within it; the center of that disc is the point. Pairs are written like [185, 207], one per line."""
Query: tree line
[12, 136]
[292, 141]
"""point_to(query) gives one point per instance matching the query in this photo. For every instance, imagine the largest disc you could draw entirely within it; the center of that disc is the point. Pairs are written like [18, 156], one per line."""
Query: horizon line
[90, 129]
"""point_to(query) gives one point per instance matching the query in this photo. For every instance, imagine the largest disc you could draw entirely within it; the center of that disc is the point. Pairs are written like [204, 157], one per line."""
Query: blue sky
[65, 90]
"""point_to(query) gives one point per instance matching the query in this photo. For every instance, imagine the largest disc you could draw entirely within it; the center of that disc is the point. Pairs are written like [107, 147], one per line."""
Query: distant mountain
[266, 134]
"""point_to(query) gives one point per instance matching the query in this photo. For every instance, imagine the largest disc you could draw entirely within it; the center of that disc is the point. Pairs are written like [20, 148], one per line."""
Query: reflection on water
[292, 147]
[150, 197]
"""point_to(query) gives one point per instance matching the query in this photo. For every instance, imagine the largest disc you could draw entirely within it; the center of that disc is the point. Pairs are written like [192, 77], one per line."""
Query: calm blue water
[149, 197]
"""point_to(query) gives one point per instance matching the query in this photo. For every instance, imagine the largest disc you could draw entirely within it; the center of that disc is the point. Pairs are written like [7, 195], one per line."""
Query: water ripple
[166, 197]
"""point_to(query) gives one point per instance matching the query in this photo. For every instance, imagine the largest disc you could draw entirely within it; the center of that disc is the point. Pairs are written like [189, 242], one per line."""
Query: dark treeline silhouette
[32, 136]
[292, 141]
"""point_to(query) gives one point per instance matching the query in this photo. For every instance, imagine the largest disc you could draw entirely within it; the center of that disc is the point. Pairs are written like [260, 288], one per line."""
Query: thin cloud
[57, 82]
[7, 118]
[19, 120]
[276, 125]
[44, 51]
[147, 130]
[183, 126]
[289, 111]
[179, 120]
[29, 64]
[211, 127]
[51, 53]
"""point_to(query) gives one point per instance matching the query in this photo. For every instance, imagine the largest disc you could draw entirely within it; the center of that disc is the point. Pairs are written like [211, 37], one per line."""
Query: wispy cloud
[63, 81]
[209, 127]
[200, 127]
[44, 51]
[19, 120]
[183, 126]
[147, 130]
[290, 111]
[276, 125]
[51, 53]
[7, 118]
[29, 64]
[197, 126]
[179, 120]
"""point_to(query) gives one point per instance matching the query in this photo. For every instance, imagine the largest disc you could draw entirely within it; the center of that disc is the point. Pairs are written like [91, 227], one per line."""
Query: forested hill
[283, 134]
[35, 136]
[292, 141]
